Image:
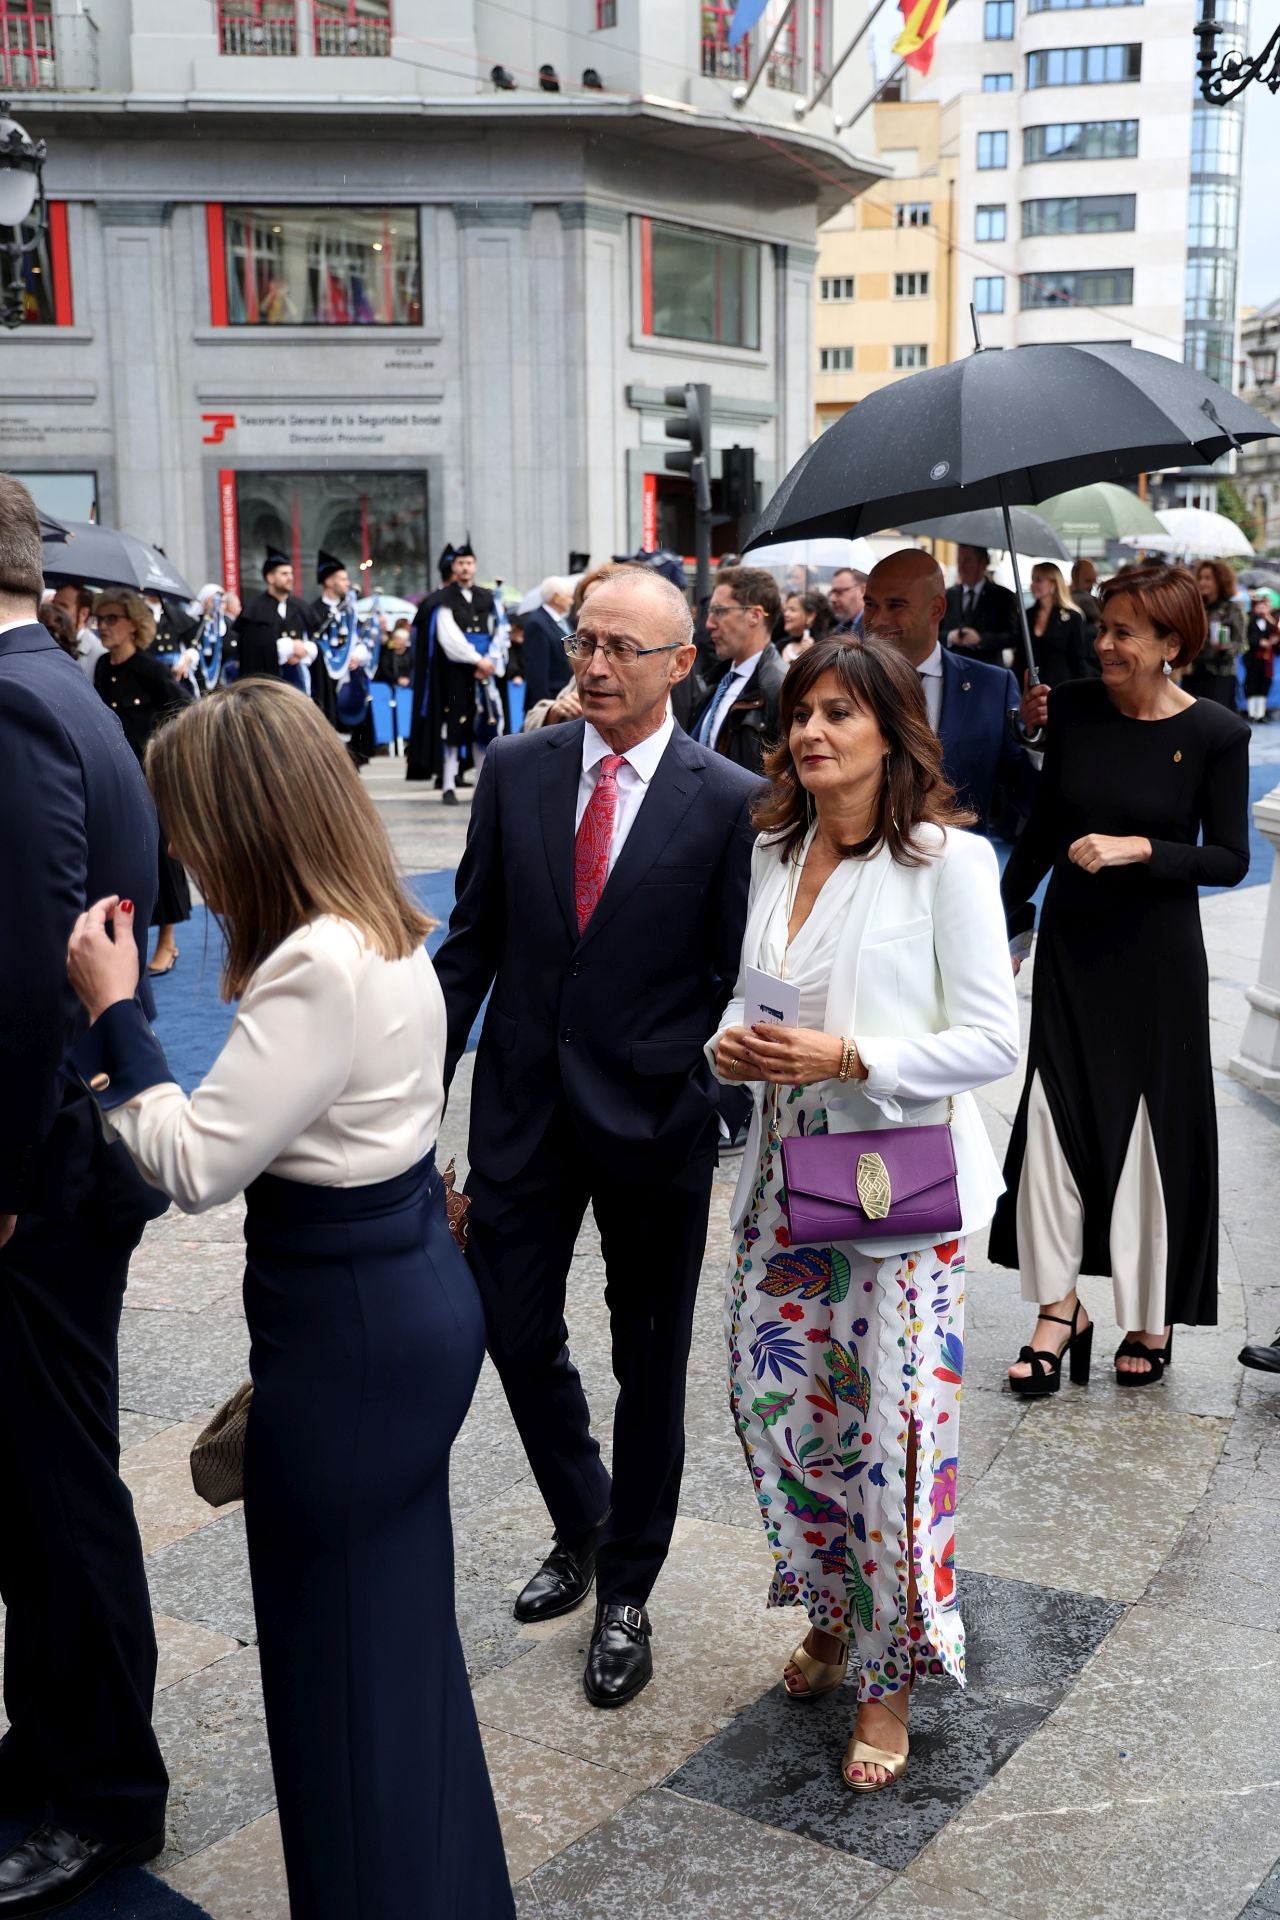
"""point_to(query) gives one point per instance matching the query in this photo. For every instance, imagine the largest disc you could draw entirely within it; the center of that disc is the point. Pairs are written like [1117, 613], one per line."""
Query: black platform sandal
[1046, 1368]
[1160, 1358]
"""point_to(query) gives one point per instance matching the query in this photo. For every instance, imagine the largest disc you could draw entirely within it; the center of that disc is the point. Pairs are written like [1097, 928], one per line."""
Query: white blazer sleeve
[287, 1058]
[982, 1039]
[454, 642]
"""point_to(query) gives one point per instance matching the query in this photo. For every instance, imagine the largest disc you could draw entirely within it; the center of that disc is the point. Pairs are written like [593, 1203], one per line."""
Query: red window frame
[340, 28]
[720, 61]
[60, 265]
[820, 48]
[784, 61]
[26, 40]
[253, 13]
[606, 14]
[216, 235]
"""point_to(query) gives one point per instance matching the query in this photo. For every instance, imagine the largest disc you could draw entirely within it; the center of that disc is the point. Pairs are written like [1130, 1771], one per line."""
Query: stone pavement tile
[1267, 1899]
[137, 1427]
[717, 1484]
[211, 1731]
[184, 1649]
[181, 1364]
[547, 1800]
[716, 1647]
[1086, 1503]
[779, 1763]
[1226, 1565]
[224, 1224]
[987, 1420]
[1029, 1643]
[1160, 1771]
[497, 1546]
[912, 1899]
[668, 1858]
[186, 1276]
[488, 1459]
[239, 1878]
[204, 1578]
[158, 1475]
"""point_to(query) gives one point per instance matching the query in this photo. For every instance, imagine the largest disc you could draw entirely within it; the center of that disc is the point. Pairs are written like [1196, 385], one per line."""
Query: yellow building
[886, 277]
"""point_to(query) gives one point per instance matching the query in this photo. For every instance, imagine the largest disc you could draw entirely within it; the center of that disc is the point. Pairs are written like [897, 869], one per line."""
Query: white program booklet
[769, 1000]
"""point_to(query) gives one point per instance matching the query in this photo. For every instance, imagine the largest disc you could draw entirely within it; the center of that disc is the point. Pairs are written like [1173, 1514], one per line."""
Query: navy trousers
[367, 1340]
[80, 1650]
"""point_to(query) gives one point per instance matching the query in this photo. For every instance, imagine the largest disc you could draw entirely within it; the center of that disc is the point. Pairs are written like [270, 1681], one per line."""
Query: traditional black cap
[445, 562]
[327, 563]
[273, 560]
[466, 551]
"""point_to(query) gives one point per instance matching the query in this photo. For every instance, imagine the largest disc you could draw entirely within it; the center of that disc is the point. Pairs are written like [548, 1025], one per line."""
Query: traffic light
[738, 481]
[692, 423]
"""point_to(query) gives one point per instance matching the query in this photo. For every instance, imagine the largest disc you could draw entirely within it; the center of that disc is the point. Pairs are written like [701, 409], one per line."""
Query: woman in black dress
[1057, 627]
[1113, 1164]
[142, 693]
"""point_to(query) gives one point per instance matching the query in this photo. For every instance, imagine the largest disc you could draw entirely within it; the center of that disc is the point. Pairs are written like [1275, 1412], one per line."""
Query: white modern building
[1097, 198]
[345, 273]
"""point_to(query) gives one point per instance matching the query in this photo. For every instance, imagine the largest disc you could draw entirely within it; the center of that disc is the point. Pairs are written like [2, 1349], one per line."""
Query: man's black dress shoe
[53, 1867]
[620, 1660]
[1265, 1359]
[563, 1581]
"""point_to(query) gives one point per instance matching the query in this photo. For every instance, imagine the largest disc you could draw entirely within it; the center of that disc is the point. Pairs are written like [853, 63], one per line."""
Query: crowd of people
[707, 892]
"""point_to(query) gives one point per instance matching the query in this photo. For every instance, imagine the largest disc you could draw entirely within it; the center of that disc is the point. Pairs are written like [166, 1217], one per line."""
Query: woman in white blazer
[846, 1361]
[367, 1331]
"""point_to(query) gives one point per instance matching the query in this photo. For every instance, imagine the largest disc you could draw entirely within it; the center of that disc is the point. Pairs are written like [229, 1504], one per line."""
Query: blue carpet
[131, 1895]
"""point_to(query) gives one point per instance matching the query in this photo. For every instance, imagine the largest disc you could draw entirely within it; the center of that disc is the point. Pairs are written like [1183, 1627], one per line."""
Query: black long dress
[1120, 1007]
[143, 693]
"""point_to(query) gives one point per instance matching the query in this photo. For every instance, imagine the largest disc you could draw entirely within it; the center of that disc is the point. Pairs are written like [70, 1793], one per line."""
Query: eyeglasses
[619, 653]
[113, 620]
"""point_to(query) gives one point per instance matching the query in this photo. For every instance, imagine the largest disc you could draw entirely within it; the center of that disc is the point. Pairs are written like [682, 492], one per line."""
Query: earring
[1168, 669]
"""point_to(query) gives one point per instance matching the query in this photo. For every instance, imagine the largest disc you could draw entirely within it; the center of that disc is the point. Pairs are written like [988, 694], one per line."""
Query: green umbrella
[1103, 511]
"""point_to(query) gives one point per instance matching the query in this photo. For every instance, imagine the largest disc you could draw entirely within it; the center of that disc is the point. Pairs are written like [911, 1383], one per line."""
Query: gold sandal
[823, 1676]
[859, 1754]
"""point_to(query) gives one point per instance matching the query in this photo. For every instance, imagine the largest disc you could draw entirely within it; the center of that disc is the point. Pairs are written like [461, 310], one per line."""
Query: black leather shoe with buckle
[1266, 1358]
[563, 1581]
[620, 1660]
[54, 1867]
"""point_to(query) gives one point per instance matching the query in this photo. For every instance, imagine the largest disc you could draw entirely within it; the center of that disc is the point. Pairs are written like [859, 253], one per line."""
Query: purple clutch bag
[898, 1184]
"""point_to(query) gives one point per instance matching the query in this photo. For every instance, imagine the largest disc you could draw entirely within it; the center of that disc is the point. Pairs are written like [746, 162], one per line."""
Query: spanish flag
[922, 19]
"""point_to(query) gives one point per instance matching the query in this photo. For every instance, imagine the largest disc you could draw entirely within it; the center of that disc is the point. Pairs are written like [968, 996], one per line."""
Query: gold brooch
[1177, 756]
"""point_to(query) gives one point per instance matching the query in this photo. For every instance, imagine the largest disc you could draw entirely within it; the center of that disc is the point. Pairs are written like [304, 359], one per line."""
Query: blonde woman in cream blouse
[846, 1361]
[367, 1333]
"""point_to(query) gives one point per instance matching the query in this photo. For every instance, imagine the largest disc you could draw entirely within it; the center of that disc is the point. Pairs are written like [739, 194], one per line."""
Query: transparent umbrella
[1193, 531]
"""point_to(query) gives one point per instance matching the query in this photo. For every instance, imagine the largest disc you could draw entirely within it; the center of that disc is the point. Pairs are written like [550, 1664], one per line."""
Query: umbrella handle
[1017, 588]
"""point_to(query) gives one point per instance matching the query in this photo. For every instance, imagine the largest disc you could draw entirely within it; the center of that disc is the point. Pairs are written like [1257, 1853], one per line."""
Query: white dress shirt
[930, 672]
[332, 1075]
[640, 765]
[26, 620]
[729, 689]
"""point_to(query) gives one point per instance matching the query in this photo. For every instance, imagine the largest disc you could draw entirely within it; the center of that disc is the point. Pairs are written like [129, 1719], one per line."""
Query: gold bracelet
[848, 1052]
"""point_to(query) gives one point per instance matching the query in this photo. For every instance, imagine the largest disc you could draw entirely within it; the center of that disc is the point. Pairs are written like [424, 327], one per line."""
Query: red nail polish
[126, 906]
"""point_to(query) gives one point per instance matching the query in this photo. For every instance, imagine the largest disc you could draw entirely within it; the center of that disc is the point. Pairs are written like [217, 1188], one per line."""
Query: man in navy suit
[603, 896]
[969, 703]
[80, 1759]
[545, 667]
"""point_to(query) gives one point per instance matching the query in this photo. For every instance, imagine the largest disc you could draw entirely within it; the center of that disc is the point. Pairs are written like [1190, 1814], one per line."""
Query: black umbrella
[82, 553]
[987, 528]
[1005, 426]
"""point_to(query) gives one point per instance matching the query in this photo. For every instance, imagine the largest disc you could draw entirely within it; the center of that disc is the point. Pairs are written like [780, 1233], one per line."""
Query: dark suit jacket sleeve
[731, 909]
[1017, 772]
[1077, 653]
[43, 873]
[468, 960]
[537, 662]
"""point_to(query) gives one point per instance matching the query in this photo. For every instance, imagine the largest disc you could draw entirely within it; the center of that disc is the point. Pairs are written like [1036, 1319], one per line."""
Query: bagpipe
[350, 645]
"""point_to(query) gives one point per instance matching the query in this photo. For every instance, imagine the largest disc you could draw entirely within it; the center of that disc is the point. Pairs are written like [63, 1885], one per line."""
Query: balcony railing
[26, 46]
[257, 26]
[350, 29]
[784, 69]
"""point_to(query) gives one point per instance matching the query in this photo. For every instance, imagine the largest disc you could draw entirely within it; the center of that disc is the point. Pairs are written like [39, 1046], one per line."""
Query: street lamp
[22, 209]
[1262, 363]
[1221, 80]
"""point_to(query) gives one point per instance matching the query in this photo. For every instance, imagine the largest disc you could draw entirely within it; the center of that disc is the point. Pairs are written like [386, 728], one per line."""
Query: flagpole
[873, 97]
[741, 95]
[808, 105]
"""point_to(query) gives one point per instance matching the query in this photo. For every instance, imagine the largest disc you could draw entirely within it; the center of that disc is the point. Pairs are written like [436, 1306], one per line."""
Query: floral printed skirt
[833, 1356]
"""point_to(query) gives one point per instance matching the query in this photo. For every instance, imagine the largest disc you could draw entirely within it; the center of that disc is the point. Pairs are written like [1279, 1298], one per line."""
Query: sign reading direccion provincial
[272, 429]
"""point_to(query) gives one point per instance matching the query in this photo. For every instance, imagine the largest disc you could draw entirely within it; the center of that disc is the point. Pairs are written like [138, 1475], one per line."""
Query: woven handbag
[217, 1458]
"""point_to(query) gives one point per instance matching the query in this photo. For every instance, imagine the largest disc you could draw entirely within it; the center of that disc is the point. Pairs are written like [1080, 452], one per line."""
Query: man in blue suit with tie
[79, 1762]
[602, 896]
[971, 705]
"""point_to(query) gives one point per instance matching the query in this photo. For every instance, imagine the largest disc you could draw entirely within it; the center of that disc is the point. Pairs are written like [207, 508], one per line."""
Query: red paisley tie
[595, 837]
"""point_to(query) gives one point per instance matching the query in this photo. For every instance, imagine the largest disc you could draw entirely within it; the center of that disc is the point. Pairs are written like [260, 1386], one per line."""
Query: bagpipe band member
[469, 647]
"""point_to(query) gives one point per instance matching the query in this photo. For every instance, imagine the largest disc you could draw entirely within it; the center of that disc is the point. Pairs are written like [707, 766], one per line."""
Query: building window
[997, 83]
[46, 272]
[835, 360]
[1081, 140]
[1062, 6]
[821, 39]
[1213, 217]
[26, 45]
[258, 26]
[912, 213]
[993, 151]
[353, 26]
[988, 293]
[990, 224]
[1101, 287]
[997, 20]
[910, 286]
[784, 61]
[720, 61]
[314, 267]
[1215, 139]
[907, 358]
[837, 286]
[1084, 66]
[606, 14]
[697, 286]
[1083, 213]
[374, 517]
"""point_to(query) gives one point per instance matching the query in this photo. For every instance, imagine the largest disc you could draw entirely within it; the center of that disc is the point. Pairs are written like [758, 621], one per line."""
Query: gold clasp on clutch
[875, 1191]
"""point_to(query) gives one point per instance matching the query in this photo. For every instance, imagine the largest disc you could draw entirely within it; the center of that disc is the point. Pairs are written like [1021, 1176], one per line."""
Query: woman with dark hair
[806, 619]
[1213, 677]
[1113, 1164]
[846, 1359]
[367, 1331]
